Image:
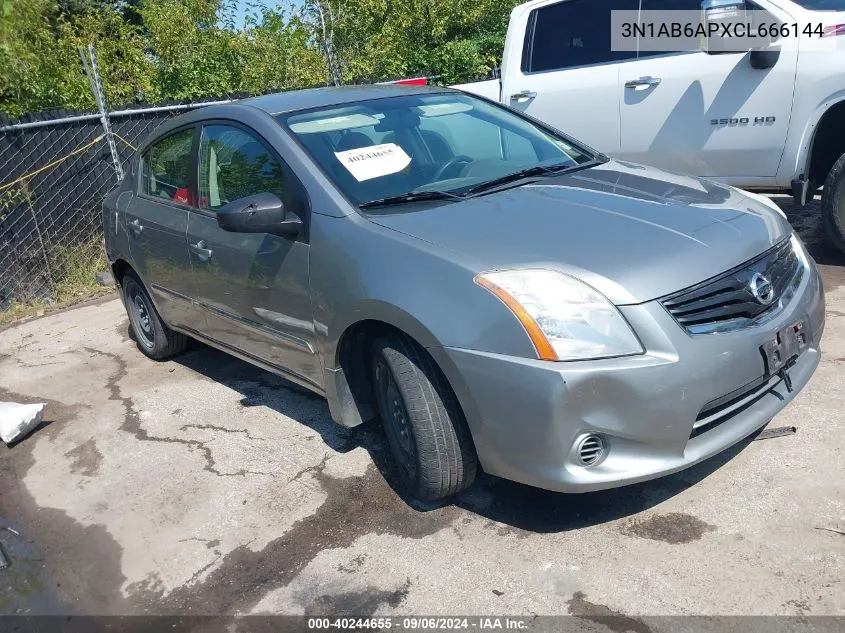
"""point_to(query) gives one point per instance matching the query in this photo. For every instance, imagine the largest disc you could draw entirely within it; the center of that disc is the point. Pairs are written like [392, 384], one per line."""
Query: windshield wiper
[411, 196]
[530, 172]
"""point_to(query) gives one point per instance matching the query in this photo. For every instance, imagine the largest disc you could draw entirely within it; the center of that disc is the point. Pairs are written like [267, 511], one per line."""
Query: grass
[73, 279]
[74, 270]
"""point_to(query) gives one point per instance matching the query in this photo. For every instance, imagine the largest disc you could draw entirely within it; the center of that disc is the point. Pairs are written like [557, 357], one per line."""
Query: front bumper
[526, 415]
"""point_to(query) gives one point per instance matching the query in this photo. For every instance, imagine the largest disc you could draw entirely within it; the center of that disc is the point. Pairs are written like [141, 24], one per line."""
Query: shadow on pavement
[519, 506]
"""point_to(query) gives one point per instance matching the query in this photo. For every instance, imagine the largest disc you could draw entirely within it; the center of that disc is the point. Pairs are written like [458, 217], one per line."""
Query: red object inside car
[182, 195]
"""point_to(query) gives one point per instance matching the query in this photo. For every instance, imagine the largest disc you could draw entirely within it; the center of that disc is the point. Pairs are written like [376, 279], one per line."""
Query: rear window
[166, 166]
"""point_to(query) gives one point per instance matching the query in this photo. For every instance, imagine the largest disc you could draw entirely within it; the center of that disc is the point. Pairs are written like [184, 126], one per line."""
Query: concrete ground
[206, 486]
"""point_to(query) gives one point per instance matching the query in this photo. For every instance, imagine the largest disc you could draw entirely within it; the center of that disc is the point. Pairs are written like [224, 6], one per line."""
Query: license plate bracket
[781, 350]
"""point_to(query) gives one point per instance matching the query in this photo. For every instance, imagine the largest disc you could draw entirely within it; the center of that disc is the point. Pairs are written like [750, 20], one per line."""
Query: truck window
[573, 33]
[667, 5]
[671, 5]
[822, 5]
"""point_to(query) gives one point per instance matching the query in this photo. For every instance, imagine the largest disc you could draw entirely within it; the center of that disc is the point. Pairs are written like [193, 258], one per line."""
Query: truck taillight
[408, 81]
[414, 81]
[834, 30]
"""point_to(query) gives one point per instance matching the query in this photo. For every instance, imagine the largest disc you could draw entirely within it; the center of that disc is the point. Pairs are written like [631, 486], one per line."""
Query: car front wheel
[425, 427]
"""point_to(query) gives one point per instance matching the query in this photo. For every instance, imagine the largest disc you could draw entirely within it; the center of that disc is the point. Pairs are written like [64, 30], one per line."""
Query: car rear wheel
[833, 203]
[153, 337]
[425, 427]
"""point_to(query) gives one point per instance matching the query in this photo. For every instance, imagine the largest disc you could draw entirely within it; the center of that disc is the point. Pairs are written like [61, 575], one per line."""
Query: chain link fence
[55, 170]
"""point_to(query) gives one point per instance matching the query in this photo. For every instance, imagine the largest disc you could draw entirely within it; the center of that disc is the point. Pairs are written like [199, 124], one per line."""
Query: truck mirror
[764, 58]
[715, 14]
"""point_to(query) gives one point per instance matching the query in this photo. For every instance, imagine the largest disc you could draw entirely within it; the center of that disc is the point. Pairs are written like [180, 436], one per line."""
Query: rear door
[253, 288]
[157, 225]
[707, 115]
[568, 74]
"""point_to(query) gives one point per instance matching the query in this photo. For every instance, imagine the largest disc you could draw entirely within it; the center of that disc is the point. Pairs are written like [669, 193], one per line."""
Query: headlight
[565, 318]
[800, 250]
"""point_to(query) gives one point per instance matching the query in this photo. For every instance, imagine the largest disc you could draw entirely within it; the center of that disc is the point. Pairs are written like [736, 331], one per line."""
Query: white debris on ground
[17, 420]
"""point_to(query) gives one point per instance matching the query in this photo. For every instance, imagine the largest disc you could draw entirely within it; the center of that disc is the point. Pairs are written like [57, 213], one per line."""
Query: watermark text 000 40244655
[740, 31]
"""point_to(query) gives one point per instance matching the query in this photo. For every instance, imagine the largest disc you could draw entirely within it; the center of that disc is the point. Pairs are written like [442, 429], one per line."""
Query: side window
[668, 5]
[234, 164]
[672, 5]
[573, 33]
[166, 167]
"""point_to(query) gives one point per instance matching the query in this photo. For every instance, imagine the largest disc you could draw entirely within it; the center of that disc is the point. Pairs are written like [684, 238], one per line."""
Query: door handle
[136, 227]
[523, 95]
[203, 253]
[643, 82]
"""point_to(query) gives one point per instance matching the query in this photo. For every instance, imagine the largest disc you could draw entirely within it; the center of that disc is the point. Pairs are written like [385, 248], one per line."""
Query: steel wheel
[396, 420]
[141, 316]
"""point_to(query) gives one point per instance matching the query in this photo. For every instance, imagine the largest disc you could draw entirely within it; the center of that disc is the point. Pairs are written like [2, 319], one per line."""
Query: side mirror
[764, 58]
[261, 213]
[715, 14]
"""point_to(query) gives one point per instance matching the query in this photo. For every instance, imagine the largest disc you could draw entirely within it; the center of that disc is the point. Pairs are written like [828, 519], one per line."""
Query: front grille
[727, 302]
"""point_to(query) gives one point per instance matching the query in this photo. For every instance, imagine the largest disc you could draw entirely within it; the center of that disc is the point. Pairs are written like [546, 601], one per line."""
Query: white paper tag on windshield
[374, 161]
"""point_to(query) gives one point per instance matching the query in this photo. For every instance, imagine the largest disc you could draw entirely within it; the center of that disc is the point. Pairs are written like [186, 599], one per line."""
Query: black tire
[153, 337]
[424, 424]
[833, 204]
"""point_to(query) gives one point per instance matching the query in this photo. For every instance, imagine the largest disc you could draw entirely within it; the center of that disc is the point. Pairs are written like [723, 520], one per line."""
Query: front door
[157, 226]
[254, 288]
[568, 74]
[706, 115]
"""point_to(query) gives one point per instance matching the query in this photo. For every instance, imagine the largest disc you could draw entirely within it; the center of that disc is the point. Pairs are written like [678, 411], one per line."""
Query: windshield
[822, 5]
[382, 148]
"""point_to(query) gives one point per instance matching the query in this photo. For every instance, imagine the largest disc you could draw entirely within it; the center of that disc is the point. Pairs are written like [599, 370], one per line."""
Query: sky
[242, 8]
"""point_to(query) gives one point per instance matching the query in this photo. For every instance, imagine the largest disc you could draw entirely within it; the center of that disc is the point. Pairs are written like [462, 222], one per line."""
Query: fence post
[89, 62]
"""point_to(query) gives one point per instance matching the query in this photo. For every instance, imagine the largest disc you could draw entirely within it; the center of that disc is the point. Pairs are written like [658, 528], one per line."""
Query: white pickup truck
[770, 119]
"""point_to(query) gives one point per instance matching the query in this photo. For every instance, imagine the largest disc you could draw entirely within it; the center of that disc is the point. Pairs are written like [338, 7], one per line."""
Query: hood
[634, 233]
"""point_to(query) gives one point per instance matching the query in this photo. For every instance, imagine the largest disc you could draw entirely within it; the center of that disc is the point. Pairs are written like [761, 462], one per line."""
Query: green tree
[39, 62]
[158, 50]
[373, 40]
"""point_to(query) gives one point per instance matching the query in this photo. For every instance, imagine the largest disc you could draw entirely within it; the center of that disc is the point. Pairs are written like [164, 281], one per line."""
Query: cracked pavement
[205, 486]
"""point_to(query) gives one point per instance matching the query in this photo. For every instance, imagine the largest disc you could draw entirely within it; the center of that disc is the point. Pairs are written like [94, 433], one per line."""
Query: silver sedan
[495, 292]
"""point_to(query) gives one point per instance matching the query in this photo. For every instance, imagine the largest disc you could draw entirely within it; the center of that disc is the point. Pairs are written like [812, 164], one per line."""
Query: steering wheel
[452, 162]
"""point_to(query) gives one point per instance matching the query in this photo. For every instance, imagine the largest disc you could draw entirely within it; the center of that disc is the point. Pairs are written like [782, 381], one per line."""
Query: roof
[282, 102]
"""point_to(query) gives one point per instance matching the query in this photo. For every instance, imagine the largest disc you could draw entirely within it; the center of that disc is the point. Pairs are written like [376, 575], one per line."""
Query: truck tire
[153, 337]
[833, 203]
[424, 424]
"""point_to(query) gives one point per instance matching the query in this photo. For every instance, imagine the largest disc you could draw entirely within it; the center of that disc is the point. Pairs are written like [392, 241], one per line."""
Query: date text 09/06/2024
[418, 623]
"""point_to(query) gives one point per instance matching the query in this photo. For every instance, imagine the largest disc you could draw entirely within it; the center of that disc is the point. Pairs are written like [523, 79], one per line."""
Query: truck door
[564, 71]
[706, 115]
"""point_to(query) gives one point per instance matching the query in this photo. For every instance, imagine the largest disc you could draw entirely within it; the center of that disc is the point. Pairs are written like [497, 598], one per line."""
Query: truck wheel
[153, 337]
[833, 203]
[425, 427]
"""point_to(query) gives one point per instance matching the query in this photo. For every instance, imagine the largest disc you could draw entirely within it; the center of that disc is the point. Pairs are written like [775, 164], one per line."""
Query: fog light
[590, 450]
